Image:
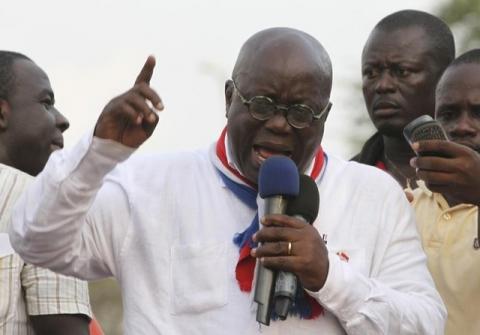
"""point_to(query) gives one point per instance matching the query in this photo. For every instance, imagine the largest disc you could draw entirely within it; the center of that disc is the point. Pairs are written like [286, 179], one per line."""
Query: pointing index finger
[147, 71]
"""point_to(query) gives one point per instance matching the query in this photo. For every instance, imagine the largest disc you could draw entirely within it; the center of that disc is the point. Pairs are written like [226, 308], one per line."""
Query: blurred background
[92, 51]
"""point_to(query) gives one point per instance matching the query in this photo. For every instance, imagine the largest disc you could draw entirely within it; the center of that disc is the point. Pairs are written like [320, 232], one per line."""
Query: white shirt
[163, 226]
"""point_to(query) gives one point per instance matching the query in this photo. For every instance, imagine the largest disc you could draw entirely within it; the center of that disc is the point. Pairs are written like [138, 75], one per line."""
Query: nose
[61, 122]
[278, 123]
[463, 127]
[385, 83]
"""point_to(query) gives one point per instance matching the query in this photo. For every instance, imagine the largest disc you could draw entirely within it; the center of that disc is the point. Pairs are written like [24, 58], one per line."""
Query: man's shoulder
[371, 150]
[422, 196]
[358, 171]
[9, 173]
[12, 183]
[360, 180]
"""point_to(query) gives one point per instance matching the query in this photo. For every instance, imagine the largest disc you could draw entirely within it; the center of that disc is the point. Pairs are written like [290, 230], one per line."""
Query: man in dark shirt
[402, 61]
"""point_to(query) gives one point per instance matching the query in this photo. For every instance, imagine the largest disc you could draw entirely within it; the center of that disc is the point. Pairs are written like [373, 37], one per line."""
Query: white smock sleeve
[400, 297]
[69, 220]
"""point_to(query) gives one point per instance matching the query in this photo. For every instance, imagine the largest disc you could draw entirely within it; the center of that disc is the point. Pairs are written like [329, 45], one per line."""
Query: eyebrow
[407, 62]
[46, 92]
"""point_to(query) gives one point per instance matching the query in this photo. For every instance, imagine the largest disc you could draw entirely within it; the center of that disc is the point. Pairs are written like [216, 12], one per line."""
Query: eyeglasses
[263, 108]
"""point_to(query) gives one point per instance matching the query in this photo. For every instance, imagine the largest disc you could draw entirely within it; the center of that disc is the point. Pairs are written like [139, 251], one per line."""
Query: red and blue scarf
[305, 306]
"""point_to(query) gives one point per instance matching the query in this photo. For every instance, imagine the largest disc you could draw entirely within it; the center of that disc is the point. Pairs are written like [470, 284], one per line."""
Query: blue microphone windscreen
[278, 176]
[307, 202]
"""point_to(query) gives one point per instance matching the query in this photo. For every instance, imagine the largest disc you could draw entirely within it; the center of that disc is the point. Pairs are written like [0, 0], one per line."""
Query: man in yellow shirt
[446, 204]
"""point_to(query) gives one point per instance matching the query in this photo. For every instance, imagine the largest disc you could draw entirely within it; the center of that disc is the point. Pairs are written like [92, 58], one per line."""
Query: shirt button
[447, 216]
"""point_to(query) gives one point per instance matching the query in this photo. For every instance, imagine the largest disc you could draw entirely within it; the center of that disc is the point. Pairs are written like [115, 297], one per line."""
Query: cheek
[240, 132]
[38, 121]
[368, 91]
[448, 126]
[46, 124]
[420, 89]
[418, 97]
[41, 132]
[309, 142]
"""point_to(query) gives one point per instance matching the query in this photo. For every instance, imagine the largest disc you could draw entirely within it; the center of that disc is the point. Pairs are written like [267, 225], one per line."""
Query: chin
[249, 172]
[389, 130]
[252, 178]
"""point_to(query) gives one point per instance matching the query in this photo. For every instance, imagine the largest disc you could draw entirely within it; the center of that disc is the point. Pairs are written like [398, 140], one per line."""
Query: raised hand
[308, 256]
[128, 119]
[455, 174]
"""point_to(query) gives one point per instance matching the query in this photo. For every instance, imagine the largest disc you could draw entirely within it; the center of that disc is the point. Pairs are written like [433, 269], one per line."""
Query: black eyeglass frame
[315, 116]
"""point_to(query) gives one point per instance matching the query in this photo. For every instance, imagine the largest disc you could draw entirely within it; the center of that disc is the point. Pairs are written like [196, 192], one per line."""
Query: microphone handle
[265, 280]
[285, 288]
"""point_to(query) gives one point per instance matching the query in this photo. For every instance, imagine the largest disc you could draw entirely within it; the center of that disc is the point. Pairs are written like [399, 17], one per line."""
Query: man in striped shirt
[32, 300]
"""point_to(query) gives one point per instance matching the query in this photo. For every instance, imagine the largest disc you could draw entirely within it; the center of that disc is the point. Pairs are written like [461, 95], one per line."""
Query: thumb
[147, 71]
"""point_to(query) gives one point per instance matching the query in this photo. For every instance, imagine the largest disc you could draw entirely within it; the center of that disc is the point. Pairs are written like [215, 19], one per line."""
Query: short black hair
[438, 31]
[7, 75]
[469, 57]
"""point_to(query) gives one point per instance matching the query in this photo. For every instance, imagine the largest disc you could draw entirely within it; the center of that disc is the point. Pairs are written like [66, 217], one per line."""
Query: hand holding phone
[445, 166]
[424, 128]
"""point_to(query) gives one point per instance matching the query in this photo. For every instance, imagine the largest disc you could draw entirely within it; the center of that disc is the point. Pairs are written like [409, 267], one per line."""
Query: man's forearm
[60, 324]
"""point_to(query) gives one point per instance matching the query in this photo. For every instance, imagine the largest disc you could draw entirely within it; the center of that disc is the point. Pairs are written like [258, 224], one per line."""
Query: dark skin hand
[128, 119]
[309, 255]
[60, 324]
[456, 174]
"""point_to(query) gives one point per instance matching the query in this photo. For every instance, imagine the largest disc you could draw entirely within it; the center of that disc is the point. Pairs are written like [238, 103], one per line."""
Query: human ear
[228, 95]
[4, 114]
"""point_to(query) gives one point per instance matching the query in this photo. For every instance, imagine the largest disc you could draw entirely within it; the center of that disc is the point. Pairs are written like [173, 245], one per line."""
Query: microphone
[277, 182]
[304, 207]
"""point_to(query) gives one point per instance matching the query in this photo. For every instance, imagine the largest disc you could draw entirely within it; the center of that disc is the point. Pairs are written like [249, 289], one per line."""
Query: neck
[452, 200]
[397, 154]
[397, 150]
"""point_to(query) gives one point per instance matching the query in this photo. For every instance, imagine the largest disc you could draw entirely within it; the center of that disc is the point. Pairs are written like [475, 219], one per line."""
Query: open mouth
[264, 152]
